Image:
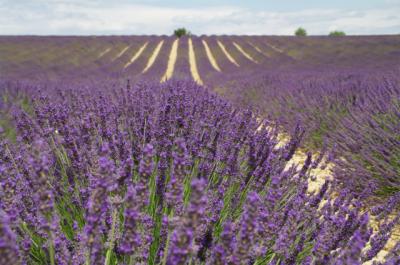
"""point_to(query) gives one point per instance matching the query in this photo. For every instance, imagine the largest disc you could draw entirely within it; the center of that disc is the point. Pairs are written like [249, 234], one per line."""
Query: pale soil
[275, 48]
[211, 57]
[136, 55]
[121, 53]
[280, 51]
[230, 58]
[193, 65]
[173, 55]
[258, 49]
[153, 57]
[245, 54]
[104, 53]
[322, 174]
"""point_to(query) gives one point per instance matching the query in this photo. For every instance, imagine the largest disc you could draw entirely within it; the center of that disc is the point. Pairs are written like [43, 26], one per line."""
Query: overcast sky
[282, 17]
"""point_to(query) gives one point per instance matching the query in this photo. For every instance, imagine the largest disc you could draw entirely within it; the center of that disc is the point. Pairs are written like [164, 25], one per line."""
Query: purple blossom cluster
[352, 114]
[171, 173]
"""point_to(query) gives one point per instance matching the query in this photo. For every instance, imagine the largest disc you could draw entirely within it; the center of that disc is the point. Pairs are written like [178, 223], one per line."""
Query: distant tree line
[301, 32]
[337, 33]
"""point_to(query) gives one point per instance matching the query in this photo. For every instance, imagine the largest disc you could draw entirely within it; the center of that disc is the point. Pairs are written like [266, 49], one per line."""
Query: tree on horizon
[300, 32]
[179, 32]
[337, 33]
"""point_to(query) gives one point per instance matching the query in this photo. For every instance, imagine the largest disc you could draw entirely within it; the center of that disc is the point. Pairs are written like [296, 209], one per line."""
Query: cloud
[61, 17]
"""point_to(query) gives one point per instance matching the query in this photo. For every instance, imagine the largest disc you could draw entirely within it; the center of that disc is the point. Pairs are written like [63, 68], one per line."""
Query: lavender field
[200, 150]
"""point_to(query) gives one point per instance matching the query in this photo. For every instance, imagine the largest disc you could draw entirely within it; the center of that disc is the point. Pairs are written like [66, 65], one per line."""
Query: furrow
[121, 53]
[245, 54]
[153, 57]
[230, 58]
[258, 49]
[211, 57]
[193, 66]
[171, 61]
[136, 56]
[104, 53]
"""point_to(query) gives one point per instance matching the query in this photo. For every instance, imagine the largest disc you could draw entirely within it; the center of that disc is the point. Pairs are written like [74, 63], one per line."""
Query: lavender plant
[167, 173]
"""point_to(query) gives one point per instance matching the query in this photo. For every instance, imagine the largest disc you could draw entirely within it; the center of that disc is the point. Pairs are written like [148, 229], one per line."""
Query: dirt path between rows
[245, 54]
[121, 53]
[259, 50]
[324, 172]
[104, 53]
[193, 65]
[211, 57]
[227, 54]
[136, 55]
[173, 55]
[153, 57]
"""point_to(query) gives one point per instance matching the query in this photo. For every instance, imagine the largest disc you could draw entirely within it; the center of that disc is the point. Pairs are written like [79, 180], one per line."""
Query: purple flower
[146, 163]
[9, 253]
[174, 194]
[131, 238]
[96, 215]
[222, 253]
[180, 246]
[196, 210]
[380, 238]
[137, 228]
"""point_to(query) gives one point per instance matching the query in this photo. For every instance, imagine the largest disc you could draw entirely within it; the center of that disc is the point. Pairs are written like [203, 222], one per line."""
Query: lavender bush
[355, 114]
[165, 174]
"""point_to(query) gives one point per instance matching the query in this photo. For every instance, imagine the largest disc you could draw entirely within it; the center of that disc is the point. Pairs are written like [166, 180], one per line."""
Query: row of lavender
[165, 174]
[355, 113]
[51, 58]
[86, 57]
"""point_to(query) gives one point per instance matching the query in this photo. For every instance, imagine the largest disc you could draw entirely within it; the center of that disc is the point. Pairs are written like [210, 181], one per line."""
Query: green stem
[112, 238]
[51, 250]
[88, 258]
[52, 254]
[164, 260]
[12, 159]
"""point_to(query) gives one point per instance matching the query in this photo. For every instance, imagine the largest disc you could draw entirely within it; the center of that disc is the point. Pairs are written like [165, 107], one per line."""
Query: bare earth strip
[193, 66]
[279, 50]
[121, 53]
[211, 57]
[104, 53]
[153, 57]
[274, 48]
[171, 61]
[245, 54]
[323, 173]
[230, 58]
[258, 49]
[137, 54]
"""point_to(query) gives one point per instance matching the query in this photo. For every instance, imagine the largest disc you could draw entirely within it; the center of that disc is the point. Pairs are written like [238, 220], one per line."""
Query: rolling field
[211, 60]
[200, 150]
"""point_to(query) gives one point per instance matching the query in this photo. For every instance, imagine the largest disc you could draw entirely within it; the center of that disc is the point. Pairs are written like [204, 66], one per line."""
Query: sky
[244, 17]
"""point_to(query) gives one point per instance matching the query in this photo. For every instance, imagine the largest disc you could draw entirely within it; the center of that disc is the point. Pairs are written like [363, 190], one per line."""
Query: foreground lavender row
[165, 174]
[355, 113]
